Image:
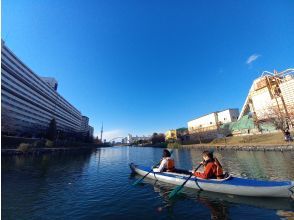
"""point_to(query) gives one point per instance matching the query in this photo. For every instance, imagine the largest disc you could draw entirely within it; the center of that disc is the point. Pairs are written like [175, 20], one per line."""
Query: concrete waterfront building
[271, 95]
[85, 128]
[29, 102]
[206, 127]
[91, 131]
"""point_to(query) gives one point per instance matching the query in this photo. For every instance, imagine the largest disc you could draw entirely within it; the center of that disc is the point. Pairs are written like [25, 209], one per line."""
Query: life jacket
[219, 169]
[170, 164]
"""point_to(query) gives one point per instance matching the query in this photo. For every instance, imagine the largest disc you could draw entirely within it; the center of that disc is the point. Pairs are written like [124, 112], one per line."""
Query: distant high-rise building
[91, 131]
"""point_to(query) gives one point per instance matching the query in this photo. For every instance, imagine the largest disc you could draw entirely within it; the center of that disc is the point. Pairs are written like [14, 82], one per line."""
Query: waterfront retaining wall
[289, 147]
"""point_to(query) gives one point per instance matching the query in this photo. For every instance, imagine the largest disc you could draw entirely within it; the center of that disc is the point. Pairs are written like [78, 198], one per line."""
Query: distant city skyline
[144, 67]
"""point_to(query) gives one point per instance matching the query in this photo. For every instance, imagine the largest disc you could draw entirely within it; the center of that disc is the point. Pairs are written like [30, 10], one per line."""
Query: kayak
[230, 185]
[277, 203]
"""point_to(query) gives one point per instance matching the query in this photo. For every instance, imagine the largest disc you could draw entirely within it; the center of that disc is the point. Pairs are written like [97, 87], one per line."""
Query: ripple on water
[98, 185]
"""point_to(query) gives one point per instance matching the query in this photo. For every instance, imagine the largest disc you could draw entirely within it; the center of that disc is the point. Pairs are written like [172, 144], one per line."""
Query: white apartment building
[213, 120]
[287, 89]
[227, 116]
[207, 127]
[29, 102]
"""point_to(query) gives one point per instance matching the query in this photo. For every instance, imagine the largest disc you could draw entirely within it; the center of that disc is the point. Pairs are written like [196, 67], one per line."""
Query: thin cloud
[252, 58]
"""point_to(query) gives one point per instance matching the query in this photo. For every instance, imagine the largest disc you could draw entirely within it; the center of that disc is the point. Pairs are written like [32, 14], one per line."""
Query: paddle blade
[137, 182]
[175, 191]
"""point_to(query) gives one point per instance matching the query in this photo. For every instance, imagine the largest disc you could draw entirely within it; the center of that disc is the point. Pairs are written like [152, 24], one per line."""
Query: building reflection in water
[218, 210]
[265, 165]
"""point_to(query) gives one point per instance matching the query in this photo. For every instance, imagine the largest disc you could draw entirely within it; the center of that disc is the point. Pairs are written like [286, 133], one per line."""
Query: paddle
[179, 188]
[140, 180]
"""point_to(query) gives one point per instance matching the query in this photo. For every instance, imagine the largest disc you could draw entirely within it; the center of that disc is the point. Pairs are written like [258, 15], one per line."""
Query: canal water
[98, 185]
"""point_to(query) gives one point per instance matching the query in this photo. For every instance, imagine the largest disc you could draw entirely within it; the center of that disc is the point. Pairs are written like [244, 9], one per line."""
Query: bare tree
[157, 138]
[281, 118]
[291, 114]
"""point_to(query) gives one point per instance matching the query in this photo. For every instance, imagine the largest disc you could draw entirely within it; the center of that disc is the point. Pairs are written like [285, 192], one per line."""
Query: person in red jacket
[212, 167]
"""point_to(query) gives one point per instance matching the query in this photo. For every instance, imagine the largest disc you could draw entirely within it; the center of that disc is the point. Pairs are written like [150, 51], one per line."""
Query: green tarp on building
[245, 125]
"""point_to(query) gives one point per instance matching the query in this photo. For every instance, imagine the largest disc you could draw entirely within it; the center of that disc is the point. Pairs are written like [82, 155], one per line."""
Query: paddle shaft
[191, 175]
[177, 189]
[148, 172]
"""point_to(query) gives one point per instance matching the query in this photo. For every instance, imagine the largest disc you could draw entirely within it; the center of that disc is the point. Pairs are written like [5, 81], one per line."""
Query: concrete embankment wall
[41, 151]
[9, 142]
[289, 147]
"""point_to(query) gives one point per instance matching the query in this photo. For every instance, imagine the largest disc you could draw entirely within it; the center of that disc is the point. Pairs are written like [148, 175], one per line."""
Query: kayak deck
[231, 185]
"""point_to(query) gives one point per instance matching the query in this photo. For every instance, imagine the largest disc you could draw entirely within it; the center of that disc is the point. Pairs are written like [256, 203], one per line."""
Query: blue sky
[148, 66]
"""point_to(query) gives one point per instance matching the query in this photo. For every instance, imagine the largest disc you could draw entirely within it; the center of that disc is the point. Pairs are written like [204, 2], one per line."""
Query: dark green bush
[24, 147]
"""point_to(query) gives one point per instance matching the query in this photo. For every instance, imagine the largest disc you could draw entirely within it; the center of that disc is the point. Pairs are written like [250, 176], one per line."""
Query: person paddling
[167, 163]
[212, 167]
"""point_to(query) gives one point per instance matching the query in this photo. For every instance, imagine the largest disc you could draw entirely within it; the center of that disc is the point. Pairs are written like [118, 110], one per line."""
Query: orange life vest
[219, 169]
[170, 164]
[212, 169]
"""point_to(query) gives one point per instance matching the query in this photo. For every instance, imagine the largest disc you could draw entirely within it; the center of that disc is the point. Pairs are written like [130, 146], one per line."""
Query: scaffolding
[268, 91]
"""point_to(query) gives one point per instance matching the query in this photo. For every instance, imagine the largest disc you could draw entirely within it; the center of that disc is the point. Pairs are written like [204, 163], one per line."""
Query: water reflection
[260, 165]
[266, 165]
[218, 210]
[98, 185]
[217, 203]
[29, 183]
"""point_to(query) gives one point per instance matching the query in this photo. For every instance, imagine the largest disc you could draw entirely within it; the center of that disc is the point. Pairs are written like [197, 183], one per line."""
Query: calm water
[98, 185]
